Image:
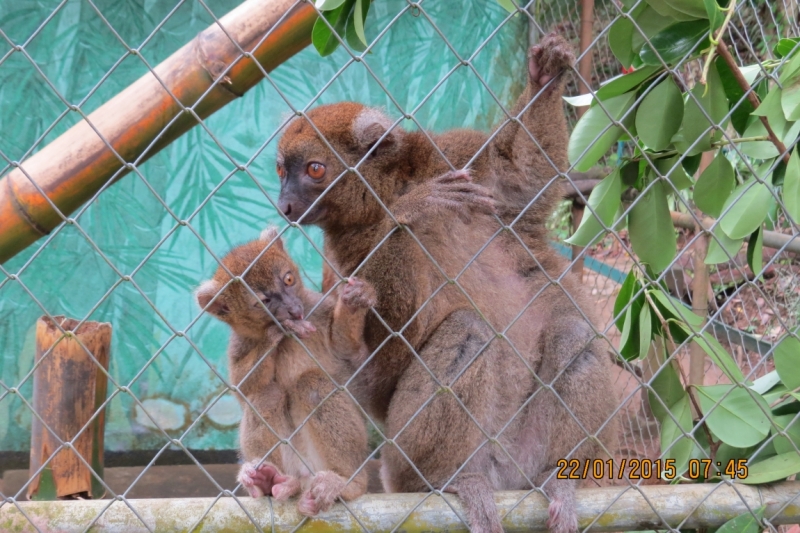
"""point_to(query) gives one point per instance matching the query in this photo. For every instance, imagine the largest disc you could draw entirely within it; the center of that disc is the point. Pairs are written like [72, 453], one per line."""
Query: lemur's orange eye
[280, 170]
[316, 170]
[288, 279]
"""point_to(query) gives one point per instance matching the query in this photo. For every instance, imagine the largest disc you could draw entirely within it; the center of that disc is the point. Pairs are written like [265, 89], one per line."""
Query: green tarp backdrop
[78, 56]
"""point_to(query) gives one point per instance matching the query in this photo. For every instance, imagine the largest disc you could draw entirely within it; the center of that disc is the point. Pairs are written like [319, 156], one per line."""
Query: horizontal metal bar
[604, 509]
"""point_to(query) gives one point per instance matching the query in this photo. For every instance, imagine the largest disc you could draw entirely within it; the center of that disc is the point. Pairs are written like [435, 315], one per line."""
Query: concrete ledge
[604, 509]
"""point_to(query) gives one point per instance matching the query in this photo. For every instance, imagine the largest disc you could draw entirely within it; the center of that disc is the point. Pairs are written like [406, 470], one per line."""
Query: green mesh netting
[77, 55]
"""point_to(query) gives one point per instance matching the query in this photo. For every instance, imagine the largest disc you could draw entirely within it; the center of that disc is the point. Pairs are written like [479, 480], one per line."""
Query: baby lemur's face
[272, 282]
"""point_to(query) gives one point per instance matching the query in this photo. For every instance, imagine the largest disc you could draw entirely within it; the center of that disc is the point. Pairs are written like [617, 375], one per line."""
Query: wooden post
[585, 65]
[585, 71]
[68, 389]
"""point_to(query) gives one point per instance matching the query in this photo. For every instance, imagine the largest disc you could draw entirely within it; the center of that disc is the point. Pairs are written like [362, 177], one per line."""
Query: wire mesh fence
[448, 347]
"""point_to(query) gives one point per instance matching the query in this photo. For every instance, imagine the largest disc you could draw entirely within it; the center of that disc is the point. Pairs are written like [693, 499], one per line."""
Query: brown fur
[280, 384]
[461, 382]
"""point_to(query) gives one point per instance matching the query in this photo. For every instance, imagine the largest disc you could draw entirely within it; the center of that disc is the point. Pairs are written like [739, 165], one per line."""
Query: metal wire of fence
[761, 306]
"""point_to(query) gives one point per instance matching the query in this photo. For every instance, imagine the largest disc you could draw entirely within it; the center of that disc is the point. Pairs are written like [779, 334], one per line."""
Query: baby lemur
[467, 408]
[280, 384]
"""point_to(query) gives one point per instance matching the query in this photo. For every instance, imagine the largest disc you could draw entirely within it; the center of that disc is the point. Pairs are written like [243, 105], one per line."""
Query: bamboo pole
[68, 389]
[43, 190]
[604, 509]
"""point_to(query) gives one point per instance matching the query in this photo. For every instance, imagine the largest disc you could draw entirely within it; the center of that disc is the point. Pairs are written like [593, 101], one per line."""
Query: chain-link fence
[658, 345]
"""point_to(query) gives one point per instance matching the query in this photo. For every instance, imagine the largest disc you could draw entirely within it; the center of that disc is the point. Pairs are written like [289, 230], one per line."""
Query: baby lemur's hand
[301, 328]
[358, 294]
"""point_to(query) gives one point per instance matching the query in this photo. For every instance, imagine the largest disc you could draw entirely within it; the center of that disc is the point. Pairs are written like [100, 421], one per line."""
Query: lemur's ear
[204, 295]
[271, 234]
[370, 125]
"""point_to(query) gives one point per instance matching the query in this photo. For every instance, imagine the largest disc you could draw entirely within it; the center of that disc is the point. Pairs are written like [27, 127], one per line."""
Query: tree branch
[725, 54]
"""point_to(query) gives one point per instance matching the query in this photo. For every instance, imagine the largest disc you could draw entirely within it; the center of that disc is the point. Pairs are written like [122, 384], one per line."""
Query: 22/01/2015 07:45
[648, 469]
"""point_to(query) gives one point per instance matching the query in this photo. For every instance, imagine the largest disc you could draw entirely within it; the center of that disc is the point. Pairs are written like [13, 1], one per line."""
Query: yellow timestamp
[649, 469]
[630, 468]
[706, 468]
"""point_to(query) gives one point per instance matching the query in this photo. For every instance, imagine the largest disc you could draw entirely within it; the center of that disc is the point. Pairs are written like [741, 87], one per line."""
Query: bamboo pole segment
[68, 389]
[43, 190]
[604, 509]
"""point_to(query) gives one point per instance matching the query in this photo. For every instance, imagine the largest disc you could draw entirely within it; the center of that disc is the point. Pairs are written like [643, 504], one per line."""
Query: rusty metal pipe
[43, 190]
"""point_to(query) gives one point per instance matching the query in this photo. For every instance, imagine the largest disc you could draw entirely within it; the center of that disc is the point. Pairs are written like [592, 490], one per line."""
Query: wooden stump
[68, 389]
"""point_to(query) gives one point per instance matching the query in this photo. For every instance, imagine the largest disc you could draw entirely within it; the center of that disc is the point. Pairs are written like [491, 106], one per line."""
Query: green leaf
[775, 393]
[673, 169]
[694, 8]
[789, 425]
[696, 133]
[650, 228]
[755, 251]
[649, 23]
[787, 361]
[721, 248]
[619, 39]
[673, 308]
[726, 453]
[790, 70]
[673, 44]
[629, 288]
[691, 163]
[786, 47]
[645, 331]
[766, 382]
[787, 131]
[771, 105]
[594, 133]
[580, 100]
[667, 386]
[508, 5]
[659, 115]
[689, 8]
[667, 12]
[719, 356]
[629, 336]
[746, 208]
[791, 186]
[715, 14]
[626, 82]
[328, 5]
[672, 432]
[772, 469]
[790, 99]
[744, 523]
[355, 26]
[321, 36]
[733, 415]
[739, 105]
[359, 16]
[604, 202]
[714, 186]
